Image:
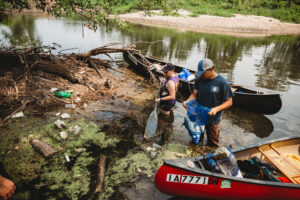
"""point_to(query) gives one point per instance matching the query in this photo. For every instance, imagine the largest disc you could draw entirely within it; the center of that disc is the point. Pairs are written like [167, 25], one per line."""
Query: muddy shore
[239, 25]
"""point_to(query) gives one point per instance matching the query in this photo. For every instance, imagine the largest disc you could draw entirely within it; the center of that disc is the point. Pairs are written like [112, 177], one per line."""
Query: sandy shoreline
[240, 25]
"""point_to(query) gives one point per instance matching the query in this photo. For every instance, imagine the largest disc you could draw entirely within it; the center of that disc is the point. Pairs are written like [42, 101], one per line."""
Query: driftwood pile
[28, 74]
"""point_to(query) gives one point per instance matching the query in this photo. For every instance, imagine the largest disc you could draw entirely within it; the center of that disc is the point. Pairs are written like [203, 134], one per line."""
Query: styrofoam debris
[75, 129]
[65, 116]
[150, 149]
[52, 90]
[57, 114]
[156, 146]
[77, 100]
[63, 134]
[17, 115]
[70, 106]
[153, 154]
[60, 124]
[67, 157]
[79, 150]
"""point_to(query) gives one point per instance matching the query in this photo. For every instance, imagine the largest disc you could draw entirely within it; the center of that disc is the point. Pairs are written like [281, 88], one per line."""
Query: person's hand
[212, 112]
[184, 104]
[157, 99]
[7, 188]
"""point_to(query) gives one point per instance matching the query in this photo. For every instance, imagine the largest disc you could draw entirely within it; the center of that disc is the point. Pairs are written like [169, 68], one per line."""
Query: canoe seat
[284, 165]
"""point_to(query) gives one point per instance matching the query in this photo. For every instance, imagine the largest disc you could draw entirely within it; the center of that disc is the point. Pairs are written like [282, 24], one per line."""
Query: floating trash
[17, 115]
[60, 124]
[67, 158]
[65, 116]
[63, 134]
[52, 90]
[70, 106]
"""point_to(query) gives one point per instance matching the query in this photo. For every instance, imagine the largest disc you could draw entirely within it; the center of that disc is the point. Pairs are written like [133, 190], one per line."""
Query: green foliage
[270, 8]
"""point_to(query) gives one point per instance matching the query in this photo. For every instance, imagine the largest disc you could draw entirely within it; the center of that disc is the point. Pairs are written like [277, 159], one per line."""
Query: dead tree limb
[147, 65]
[90, 62]
[110, 57]
[100, 174]
[104, 50]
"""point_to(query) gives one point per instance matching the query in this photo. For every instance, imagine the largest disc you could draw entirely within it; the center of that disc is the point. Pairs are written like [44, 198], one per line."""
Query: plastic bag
[195, 121]
[184, 74]
[197, 113]
[228, 165]
[194, 130]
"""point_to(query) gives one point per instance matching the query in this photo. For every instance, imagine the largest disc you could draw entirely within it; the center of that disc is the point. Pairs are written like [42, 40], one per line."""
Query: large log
[100, 174]
[45, 149]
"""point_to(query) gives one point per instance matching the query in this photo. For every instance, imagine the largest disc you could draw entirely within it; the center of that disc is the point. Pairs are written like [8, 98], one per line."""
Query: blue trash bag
[184, 74]
[197, 113]
[195, 121]
[195, 131]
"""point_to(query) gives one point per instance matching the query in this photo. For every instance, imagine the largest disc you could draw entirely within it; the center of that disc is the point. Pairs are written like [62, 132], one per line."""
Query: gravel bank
[239, 25]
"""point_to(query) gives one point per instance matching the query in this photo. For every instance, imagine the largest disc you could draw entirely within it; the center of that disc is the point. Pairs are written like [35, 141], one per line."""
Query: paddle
[152, 121]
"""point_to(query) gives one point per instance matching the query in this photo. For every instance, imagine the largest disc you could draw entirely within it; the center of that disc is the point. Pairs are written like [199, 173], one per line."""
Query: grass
[269, 8]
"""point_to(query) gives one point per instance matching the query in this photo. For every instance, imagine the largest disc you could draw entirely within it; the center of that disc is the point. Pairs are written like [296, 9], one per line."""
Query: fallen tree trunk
[100, 174]
[103, 50]
[45, 149]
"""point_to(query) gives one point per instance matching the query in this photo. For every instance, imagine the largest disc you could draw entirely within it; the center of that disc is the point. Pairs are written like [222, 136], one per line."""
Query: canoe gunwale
[172, 163]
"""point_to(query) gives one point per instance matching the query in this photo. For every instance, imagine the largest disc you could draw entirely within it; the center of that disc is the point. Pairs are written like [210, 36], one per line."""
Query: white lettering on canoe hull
[177, 178]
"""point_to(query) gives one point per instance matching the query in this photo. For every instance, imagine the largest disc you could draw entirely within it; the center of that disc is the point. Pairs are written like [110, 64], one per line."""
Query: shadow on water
[255, 123]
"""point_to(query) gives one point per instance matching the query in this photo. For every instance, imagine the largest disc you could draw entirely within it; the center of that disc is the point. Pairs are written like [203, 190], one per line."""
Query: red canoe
[187, 178]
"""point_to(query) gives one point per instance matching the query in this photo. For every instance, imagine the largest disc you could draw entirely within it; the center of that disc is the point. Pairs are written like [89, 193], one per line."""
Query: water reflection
[20, 30]
[255, 123]
[276, 63]
[281, 60]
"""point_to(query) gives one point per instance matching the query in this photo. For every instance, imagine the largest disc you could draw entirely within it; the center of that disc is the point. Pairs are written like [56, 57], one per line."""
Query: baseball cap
[168, 67]
[203, 65]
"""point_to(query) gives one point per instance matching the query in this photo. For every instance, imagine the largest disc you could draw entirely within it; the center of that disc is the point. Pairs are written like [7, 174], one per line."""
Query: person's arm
[226, 104]
[191, 97]
[7, 188]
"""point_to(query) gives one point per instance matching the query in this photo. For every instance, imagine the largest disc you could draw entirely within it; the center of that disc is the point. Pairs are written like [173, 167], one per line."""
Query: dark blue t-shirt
[212, 93]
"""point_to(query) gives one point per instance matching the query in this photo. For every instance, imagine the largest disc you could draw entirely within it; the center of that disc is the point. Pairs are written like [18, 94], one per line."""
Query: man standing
[213, 91]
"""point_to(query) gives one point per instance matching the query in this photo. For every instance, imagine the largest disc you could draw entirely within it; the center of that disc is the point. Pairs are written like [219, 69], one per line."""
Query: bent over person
[168, 90]
[212, 91]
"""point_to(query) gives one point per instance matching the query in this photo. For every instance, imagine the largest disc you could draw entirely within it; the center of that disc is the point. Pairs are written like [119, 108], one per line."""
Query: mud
[112, 120]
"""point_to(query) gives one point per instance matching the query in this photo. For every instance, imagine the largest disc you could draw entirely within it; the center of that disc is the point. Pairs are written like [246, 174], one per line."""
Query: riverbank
[239, 25]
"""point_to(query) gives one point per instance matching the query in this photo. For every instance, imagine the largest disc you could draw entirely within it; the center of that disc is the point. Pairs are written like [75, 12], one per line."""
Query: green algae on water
[57, 178]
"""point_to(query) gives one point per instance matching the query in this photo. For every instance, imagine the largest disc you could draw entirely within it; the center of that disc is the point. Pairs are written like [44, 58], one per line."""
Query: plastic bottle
[229, 165]
[63, 94]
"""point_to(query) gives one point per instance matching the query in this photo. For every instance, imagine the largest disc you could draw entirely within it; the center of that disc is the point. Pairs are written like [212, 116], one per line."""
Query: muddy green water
[267, 64]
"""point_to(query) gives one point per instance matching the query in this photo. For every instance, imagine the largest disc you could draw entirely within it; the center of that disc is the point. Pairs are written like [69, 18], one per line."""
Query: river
[264, 63]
